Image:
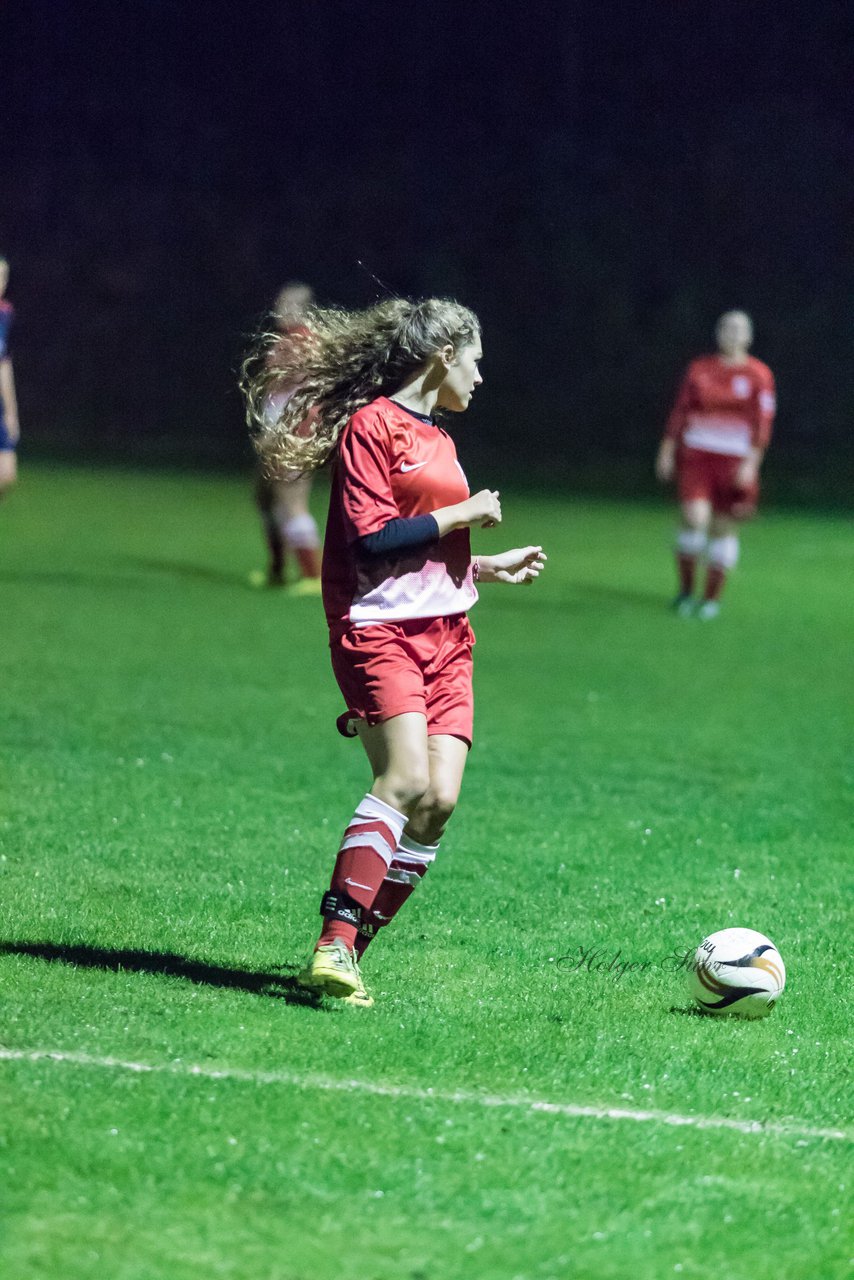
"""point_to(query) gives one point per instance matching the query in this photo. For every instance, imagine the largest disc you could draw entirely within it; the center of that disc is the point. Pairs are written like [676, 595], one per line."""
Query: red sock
[715, 579]
[303, 541]
[366, 851]
[309, 561]
[409, 866]
[687, 566]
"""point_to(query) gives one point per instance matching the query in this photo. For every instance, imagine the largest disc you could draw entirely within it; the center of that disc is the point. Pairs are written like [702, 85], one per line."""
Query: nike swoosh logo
[412, 466]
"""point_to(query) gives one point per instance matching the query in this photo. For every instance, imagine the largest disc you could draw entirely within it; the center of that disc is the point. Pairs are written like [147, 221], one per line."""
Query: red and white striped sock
[685, 569]
[408, 868]
[365, 855]
[723, 556]
[715, 579]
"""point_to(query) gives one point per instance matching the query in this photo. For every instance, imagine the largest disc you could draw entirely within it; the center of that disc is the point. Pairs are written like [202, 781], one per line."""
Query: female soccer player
[715, 441]
[398, 580]
[9, 431]
[283, 499]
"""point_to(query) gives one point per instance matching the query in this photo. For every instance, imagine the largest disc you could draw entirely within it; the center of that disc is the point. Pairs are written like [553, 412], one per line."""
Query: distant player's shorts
[700, 474]
[419, 664]
[7, 444]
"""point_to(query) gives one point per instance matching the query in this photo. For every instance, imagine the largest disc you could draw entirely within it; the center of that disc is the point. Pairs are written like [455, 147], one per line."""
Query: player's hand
[483, 509]
[519, 566]
[745, 475]
[665, 462]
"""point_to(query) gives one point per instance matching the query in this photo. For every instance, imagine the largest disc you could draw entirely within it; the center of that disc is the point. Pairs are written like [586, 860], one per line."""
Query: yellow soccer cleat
[359, 998]
[332, 971]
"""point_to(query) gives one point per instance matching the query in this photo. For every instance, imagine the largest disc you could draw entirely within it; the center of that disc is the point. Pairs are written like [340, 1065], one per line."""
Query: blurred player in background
[714, 443]
[398, 580]
[9, 431]
[283, 500]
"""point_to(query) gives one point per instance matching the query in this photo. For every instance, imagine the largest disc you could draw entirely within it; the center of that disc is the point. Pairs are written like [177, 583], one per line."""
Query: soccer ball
[737, 971]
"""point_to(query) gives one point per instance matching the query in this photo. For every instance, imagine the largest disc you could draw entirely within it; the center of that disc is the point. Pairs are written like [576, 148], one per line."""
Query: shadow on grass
[193, 572]
[690, 1012]
[598, 592]
[167, 964]
[589, 597]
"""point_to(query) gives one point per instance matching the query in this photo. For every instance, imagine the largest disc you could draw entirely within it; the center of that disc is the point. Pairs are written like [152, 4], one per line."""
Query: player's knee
[406, 786]
[695, 516]
[440, 801]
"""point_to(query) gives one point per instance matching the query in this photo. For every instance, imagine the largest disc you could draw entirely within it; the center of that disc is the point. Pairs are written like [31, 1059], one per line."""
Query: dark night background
[598, 180]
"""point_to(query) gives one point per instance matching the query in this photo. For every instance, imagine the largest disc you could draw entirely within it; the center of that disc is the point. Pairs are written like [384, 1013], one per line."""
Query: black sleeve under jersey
[399, 534]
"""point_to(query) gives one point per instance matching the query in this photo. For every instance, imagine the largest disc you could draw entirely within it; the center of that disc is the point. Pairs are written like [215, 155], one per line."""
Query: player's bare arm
[665, 462]
[749, 468]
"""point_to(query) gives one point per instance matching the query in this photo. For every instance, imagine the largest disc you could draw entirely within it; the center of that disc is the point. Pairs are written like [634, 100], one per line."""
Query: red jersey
[724, 408]
[390, 464]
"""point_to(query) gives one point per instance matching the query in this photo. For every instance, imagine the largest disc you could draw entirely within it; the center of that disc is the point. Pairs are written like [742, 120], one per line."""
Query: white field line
[459, 1097]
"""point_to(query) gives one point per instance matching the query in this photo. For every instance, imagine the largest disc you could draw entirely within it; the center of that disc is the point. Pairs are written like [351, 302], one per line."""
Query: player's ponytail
[302, 389]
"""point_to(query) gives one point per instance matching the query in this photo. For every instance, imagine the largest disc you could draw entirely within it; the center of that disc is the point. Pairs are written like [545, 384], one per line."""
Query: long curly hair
[302, 389]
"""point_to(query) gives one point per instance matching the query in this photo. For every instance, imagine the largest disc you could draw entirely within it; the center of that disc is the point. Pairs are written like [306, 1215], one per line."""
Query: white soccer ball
[737, 971]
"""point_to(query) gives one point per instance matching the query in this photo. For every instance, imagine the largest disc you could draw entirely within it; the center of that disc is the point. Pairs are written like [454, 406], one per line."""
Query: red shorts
[418, 664]
[700, 474]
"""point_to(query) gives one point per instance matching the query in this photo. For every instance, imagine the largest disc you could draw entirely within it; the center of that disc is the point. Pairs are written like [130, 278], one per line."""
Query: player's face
[734, 333]
[461, 377]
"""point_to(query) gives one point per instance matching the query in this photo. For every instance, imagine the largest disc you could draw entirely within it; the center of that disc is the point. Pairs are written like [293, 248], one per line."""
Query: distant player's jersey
[724, 408]
[389, 464]
[7, 315]
[288, 342]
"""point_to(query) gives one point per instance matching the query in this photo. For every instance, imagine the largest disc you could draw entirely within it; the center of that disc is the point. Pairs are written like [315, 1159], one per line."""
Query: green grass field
[172, 794]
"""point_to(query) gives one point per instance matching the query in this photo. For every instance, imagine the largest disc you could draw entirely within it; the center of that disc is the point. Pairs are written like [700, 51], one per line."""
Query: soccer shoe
[305, 587]
[708, 610]
[332, 971]
[359, 998]
[272, 578]
[683, 606]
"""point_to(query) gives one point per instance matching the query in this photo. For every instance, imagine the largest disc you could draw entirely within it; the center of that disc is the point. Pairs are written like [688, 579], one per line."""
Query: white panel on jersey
[428, 592]
[718, 435]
